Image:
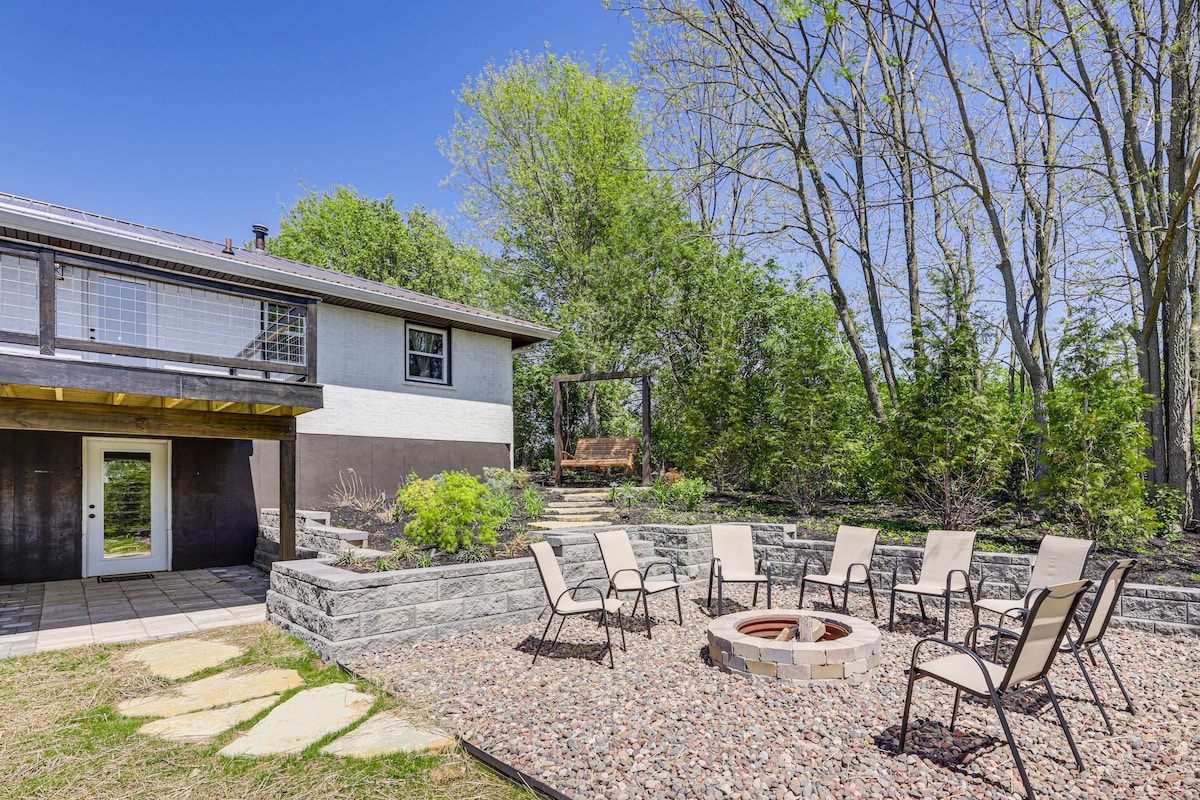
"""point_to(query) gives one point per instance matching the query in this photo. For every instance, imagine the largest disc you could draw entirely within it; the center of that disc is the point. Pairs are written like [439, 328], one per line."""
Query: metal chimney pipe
[260, 237]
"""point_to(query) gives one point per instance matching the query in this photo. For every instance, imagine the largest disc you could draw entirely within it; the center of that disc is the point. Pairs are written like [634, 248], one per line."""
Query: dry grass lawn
[61, 738]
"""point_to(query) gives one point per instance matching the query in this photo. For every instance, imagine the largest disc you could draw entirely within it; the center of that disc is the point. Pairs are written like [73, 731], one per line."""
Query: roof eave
[33, 222]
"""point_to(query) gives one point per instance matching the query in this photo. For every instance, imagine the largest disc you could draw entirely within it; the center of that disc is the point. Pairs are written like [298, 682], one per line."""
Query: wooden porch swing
[597, 452]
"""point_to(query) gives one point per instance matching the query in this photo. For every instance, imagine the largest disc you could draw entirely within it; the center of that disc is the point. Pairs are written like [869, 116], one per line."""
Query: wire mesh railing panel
[18, 293]
[208, 326]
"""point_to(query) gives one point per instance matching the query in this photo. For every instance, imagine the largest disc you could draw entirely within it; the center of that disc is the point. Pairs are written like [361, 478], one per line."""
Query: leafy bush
[501, 480]
[533, 502]
[1168, 508]
[449, 513]
[501, 506]
[689, 492]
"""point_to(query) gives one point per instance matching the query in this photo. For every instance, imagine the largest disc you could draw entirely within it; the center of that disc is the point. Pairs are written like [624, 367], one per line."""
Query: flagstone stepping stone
[215, 690]
[182, 657]
[302, 720]
[387, 733]
[200, 726]
[553, 526]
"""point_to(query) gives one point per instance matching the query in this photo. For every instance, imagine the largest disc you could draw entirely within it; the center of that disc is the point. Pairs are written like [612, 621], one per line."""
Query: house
[157, 389]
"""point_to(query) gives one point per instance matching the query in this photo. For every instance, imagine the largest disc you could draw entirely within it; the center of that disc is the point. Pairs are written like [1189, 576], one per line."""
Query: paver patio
[665, 724]
[60, 614]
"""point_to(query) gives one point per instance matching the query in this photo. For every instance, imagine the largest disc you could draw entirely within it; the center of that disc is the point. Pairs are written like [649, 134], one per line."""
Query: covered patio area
[60, 614]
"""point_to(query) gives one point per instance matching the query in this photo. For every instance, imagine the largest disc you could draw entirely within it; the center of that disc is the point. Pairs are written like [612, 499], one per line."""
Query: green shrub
[1095, 442]
[534, 503]
[689, 492]
[501, 507]
[449, 513]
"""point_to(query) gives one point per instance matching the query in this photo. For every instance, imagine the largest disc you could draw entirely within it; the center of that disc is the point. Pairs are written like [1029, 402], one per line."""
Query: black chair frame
[803, 580]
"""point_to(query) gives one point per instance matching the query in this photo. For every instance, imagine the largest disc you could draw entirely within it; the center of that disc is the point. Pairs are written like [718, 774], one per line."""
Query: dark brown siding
[380, 463]
[41, 506]
[215, 522]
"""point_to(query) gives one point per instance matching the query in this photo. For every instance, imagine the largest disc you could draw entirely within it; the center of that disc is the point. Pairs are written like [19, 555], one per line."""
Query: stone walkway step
[305, 718]
[575, 507]
[572, 517]
[182, 657]
[200, 726]
[581, 496]
[216, 690]
[547, 525]
[386, 733]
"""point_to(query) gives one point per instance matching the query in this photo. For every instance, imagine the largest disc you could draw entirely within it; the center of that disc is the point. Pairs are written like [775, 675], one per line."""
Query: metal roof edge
[33, 221]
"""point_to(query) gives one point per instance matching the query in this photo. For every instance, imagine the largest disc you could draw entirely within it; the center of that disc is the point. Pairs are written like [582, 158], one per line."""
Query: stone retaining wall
[342, 614]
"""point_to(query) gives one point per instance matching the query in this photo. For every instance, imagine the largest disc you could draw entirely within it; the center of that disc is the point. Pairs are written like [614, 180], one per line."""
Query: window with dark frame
[427, 354]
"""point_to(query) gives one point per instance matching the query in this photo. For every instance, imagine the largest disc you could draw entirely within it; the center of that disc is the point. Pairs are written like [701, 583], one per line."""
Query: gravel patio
[664, 724]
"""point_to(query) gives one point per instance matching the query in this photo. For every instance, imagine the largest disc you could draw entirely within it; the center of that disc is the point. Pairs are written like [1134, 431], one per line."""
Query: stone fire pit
[747, 643]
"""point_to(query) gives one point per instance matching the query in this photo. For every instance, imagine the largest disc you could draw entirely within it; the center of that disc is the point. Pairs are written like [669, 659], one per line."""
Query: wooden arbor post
[556, 383]
[287, 499]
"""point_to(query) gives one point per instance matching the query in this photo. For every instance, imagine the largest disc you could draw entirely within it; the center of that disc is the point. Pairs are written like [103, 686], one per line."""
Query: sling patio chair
[1033, 655]
[733, 562]
[1059, 559]
[851, 563]
[944, 570]
[563, 603]
[624, 575]
[1092, 629]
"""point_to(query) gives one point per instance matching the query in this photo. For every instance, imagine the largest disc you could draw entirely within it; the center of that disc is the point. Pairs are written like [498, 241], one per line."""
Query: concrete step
[547, 525]
[584, 497]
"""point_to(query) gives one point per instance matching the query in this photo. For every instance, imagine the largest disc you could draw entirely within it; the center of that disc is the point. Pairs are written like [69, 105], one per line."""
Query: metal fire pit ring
[852, 657]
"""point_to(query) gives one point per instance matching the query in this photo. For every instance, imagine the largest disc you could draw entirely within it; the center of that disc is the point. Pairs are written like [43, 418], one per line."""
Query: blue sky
[204, 117]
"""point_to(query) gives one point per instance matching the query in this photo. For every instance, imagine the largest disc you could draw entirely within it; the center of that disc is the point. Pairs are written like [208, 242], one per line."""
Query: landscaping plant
[448, 513]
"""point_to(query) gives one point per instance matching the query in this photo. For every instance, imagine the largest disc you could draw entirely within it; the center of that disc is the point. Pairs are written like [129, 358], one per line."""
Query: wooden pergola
[558, 380]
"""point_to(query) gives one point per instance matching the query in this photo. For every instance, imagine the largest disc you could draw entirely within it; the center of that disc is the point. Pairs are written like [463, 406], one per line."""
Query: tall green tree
[342, 230]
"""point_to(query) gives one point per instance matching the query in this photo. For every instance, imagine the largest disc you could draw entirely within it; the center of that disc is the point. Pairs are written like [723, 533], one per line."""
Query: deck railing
[69, 306]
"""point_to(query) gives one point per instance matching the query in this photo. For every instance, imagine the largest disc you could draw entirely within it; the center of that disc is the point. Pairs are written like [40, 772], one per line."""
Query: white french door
[126, 513]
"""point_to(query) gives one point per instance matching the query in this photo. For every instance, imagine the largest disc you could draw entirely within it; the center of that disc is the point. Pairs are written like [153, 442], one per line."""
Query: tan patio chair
[852, 553]
[733, 562]
[624, 575]
[1059, 559]
[1045, 627]
[945, 567]
[563, 603]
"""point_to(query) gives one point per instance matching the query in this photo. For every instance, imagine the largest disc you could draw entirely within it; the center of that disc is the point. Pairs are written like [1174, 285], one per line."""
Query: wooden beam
[310, 340]
[58, 393]
[220, 405]
[263, 408]
[171, 402]
[558, 442]
[118, 398]
[47, 307]
[48, 415]
[287, 500]
[594, 376]
[98, 377]
[6, 390]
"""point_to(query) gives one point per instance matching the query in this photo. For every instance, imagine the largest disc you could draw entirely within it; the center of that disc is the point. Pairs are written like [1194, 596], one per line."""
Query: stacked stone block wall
[342, 614]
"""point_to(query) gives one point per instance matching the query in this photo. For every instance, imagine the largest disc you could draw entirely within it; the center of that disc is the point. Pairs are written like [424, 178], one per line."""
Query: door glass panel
[126, 504]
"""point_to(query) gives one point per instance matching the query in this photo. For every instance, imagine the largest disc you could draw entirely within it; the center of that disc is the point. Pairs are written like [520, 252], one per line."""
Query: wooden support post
[645, 430]
[287, 499]
[310, 340]
[558, 443]
[47, 306]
